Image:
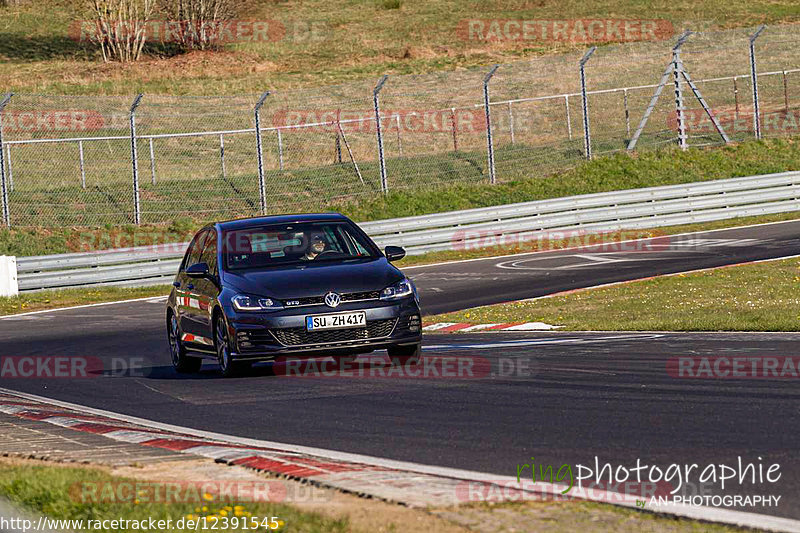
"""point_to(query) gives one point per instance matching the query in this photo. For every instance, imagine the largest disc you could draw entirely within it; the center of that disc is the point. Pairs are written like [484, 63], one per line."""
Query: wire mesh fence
[88, 161]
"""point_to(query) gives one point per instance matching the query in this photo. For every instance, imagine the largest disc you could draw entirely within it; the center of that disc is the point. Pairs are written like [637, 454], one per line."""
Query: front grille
[352, 296]
[299, 336]
[347, 297]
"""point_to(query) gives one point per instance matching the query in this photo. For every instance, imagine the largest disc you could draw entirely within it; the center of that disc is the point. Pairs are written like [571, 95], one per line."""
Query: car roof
[244, 223]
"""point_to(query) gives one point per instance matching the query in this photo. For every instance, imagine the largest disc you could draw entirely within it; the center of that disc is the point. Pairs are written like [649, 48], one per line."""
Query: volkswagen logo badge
[333, 299]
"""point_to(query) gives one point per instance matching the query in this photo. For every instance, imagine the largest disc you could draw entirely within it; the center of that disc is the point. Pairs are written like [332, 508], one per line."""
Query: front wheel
[227, 365]
[182, 363]
[405, 355]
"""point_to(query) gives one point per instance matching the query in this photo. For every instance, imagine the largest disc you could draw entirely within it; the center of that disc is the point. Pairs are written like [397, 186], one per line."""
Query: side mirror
[394, 253]
[197, 270]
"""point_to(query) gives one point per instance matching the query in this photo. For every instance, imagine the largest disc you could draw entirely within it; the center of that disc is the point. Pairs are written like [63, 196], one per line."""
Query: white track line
[583, 247]
[740, 518]
[84, 306]
[615, 283]
[467, 261]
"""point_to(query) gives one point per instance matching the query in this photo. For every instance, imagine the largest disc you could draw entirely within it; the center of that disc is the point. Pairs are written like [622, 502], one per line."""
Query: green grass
[350, 40]
[589, 240]
[165, 221]
[757, 297]
[54, 491]
[52, 299]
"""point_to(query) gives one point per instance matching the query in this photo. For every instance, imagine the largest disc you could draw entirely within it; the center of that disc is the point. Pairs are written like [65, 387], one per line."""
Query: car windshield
[295, 244]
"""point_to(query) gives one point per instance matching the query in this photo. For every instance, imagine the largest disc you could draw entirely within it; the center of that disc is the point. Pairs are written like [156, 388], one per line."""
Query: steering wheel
[326, 252]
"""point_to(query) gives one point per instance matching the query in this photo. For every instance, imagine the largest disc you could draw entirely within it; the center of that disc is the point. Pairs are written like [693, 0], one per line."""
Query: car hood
[315, 280]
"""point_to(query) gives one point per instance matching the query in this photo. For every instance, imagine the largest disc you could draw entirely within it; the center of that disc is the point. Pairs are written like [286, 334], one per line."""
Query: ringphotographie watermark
[565, 30]
[689, 484]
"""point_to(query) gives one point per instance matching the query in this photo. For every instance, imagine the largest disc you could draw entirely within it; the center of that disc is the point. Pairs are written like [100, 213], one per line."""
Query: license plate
[357, 319]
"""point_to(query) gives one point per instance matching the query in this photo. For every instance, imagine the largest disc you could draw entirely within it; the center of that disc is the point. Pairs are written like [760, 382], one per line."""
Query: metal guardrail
[471, 228]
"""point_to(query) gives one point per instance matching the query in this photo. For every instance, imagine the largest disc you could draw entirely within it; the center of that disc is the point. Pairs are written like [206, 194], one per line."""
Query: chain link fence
[89, 161]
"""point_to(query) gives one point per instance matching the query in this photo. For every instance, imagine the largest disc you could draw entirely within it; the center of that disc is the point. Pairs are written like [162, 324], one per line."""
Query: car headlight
[242, 302]
[398, 290]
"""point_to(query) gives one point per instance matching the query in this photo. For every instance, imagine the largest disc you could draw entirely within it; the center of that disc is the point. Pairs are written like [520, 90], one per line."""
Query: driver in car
[316, 246]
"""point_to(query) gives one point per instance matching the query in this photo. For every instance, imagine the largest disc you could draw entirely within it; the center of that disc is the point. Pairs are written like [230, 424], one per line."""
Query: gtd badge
[332, 299]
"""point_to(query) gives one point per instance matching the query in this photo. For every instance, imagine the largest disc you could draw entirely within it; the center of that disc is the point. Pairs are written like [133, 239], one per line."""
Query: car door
[206, 290]
[185, 296]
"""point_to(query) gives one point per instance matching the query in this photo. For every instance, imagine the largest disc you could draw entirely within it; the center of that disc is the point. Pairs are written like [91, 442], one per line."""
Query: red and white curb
[407, 483]
[464, 327]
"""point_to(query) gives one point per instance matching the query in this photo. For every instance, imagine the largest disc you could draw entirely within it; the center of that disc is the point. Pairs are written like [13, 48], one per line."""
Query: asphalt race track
[558, 397]
[455, 286]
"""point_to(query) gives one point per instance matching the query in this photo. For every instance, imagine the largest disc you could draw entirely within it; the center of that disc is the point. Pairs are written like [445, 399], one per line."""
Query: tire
[227, 366]
[405, 355]
[181, 362]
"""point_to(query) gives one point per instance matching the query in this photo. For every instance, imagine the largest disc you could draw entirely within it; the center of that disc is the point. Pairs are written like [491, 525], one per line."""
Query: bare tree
[198, 23]
[121, 27]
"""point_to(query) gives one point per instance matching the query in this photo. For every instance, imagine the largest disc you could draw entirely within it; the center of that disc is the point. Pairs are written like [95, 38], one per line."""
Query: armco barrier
[609, 211]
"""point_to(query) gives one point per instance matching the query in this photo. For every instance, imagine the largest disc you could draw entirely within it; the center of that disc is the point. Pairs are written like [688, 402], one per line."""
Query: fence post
[677, 74]
[511, 122]
[152, 163]
[9, 169]
[399, 140]
[453, 123]
[785, 93]
[656, 94]
[567, 113]
[627, 112]
[83, 166]
[381, 157]
[280, 150]
[736, 97]
[587, 136]
[137, 212]
[754, 81]
[677, 67]
[6, 209]
[261, 190]
[489, 141]
[222, 154]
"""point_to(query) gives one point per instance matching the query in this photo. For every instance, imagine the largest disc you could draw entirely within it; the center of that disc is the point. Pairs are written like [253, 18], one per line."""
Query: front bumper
[265, 336]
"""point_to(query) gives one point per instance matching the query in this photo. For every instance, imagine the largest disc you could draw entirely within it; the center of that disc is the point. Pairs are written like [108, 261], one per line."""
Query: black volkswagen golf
[293, 285]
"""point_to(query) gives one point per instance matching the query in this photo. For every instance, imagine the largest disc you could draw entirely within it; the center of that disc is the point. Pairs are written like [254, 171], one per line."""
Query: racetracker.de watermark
[610, 241]
[206, 492]
[212, 32]
[71, 367]
[734, 367]
[52, 120]
[564, 30]
[510, 491]
[781, 121]
[363, 121]
[448, 367]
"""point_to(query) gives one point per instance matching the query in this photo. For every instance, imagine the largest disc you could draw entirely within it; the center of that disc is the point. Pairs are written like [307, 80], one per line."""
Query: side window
[209, 255]
[193, 253]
